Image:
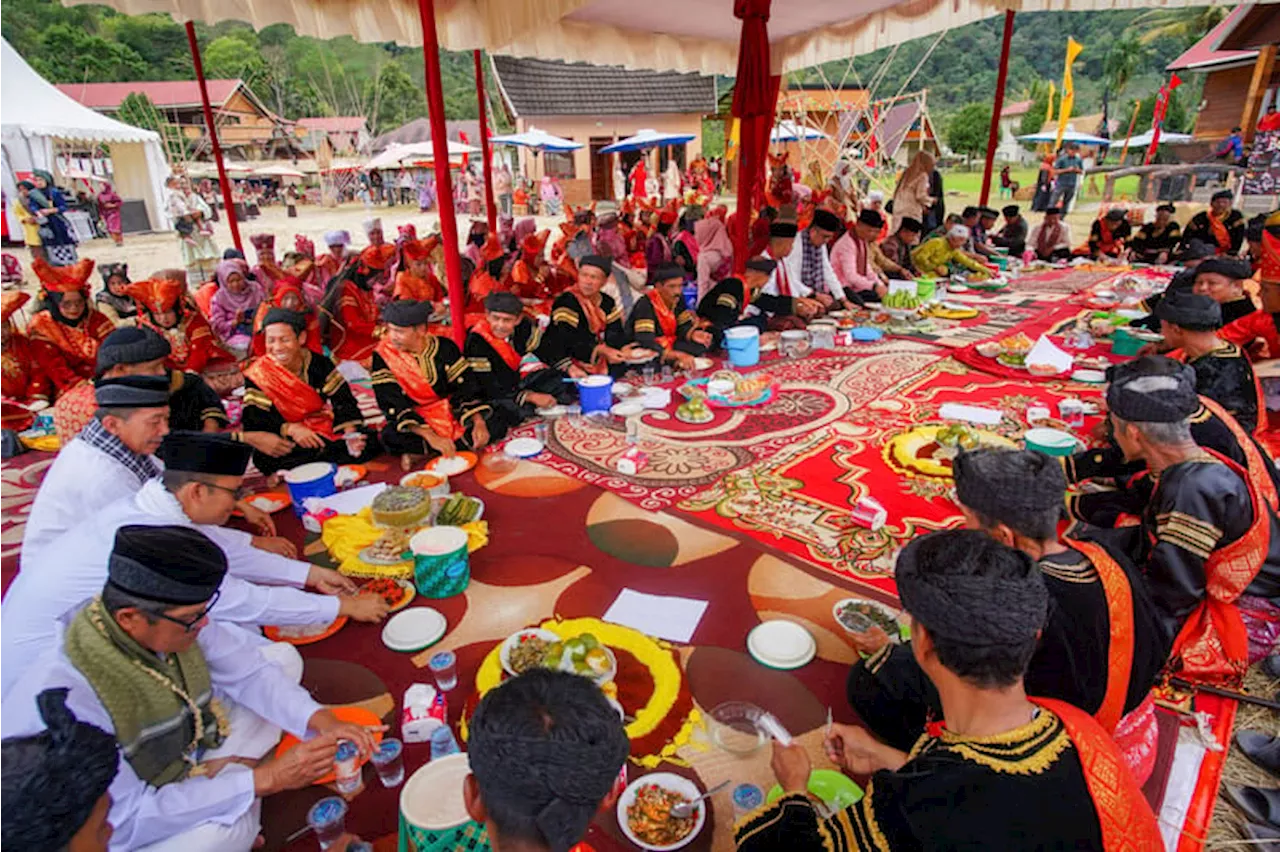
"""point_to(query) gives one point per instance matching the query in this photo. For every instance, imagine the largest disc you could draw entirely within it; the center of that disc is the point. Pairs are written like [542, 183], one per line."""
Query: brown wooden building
[1241, 81]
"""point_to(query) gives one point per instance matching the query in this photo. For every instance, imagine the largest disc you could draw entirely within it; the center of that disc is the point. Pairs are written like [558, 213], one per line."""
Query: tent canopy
[647, 138]
[36, 114]
[791, 131]
[537, 139]
[681, 35]
[1068, 135]
[1142, 140]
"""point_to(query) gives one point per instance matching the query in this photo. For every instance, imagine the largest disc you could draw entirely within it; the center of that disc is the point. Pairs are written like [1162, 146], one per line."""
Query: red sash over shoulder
[292, 396]
[1115, 586]
[1126, 820]
[666, 319]
[430, 406]
[504, 348]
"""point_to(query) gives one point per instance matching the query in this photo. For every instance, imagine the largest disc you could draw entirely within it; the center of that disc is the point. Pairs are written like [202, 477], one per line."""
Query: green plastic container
[926, 288]
[1124, 343]
[1050, 442]
[441, 564]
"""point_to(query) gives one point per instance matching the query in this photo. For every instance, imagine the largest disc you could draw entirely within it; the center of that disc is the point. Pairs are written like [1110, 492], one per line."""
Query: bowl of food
[735, 728]
[644, 811]
[1043, 370]
[433, 483]
[584, 655]
[527, 649]
[858, 615]
[990, 349]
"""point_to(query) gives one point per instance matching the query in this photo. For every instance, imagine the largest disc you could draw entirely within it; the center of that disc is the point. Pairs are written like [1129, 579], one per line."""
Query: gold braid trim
[334, 381]
[1028, 750]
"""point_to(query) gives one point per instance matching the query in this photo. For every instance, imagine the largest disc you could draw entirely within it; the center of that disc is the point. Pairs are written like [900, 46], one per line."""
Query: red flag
[1157, 116]
[462, 137]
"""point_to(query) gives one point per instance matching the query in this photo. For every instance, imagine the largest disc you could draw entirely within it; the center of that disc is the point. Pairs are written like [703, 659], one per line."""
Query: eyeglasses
[239, 493]
[200, 616]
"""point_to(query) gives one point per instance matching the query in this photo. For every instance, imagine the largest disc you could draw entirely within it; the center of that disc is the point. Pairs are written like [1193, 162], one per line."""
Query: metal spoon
[685, 809]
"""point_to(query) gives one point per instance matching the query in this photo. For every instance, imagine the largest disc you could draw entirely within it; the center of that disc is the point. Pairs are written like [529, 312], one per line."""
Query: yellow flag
[731, 144]
[1068, 90]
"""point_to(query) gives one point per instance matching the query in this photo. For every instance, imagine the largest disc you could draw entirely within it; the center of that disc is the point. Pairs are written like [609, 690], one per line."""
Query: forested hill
[298, 76]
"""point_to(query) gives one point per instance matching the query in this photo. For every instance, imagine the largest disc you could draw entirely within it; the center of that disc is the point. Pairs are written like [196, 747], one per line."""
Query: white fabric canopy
[683, 35]
[1068, 135]
[1142, 140]
[790, 131]
[396, 153]
[36, 113]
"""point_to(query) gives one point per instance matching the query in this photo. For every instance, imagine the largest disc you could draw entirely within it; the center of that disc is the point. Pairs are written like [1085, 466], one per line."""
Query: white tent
[1142, 140]
[36, 113]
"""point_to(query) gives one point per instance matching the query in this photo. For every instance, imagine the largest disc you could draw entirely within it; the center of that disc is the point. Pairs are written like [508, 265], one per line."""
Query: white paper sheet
[350, 502]
[673, 619]
[1045, 352]
[970, 413]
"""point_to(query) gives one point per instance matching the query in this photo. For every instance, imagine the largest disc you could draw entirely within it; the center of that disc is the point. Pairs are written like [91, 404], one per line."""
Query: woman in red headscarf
[66, 334]
[193, 346]
[530, 277]
[25, 383]
[417, 282]
[288, 295]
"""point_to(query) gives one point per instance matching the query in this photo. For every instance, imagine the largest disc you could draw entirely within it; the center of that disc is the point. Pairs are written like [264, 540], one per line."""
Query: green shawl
[144, 695]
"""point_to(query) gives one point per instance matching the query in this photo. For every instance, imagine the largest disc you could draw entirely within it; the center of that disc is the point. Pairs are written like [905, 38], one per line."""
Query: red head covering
[379, 256]
[63, 279]
[10, 302]
[407, 232]
[302, 245]
[1269, 270]
[535, 243]
[156, 295]
[421, 249]
[718, 211]
[491, 250]
[670, 212]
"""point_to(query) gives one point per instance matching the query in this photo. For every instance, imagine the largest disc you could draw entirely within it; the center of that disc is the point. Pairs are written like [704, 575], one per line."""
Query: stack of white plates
[781, 644]
[414, 629]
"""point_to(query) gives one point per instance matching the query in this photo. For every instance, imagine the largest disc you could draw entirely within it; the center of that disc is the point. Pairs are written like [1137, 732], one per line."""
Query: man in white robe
[785, 279]
[195, 704]
[108, 460]
[810, 261]
[203, 472]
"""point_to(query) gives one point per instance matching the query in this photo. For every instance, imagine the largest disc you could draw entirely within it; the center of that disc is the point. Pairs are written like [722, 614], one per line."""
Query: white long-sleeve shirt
[81, 480]
[830, 283]
[142, 814]
[260, 588]
[785, 278]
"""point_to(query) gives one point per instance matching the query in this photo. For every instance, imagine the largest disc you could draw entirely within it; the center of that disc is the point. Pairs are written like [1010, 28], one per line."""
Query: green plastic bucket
[926, 288]
[441, 566]
[1124, 343]
[433, 816]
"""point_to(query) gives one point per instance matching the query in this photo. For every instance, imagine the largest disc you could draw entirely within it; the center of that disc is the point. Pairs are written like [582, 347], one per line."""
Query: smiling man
[587, 332]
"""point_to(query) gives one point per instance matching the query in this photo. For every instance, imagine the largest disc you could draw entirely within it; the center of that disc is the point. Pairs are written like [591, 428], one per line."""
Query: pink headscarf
[248, 298]
[524, 228]
[712, 236]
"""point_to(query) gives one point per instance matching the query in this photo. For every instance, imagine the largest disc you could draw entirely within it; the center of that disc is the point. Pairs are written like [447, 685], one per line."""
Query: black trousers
[332, 451]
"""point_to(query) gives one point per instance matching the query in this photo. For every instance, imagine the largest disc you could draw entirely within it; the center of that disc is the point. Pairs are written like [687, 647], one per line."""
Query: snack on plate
[694, 410]
[859, 616]
[529, 653]
[389, 549]
[391, 591]
[1043, 370]
[725, 376]
[457, 510]
[424, 480]
[649, 816]
[582, 655]
[959, 436]
[990, 349]
[401, 506]
[1016, 343]
[748, 389]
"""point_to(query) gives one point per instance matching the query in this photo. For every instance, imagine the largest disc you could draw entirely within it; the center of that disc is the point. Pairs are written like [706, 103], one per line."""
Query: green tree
[712, 137]
[1035, 117]
[233, 56]
[72, 55]
[393, 99]
[1184, 26]
[159, 41]
[968, 129]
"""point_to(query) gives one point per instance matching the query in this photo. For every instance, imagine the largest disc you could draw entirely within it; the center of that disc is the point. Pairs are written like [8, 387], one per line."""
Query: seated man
[193, 703]
[857, 260]
[1013, 236]
[1190, 323]
[1051, 239]
[202, 477]
[744, 301]
[1259, 331]
[1004, 770]
[896, 248]
[430, 398]
[810, 262]
[139, 351]
[1108, 235]
[25, 382]
[108, 460]
[299, 395]
[502, 350]
[982, 244]
[944, 256]
[1101, 648]
[1220, 226]
[587, 332]
[1208, 533]
[55, 782]
[545, 752]
[1156, 241]
[1222, 279]
[660, 323]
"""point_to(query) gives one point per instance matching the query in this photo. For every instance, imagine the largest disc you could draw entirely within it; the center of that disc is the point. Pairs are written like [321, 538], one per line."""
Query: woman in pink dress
[109, 204]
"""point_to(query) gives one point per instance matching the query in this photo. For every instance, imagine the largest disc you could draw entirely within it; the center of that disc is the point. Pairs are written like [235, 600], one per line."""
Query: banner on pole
[1068, 90]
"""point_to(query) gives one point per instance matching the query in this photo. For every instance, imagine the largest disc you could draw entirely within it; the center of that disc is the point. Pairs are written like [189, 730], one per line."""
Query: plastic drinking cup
[388, 760]
[328, 819]
[444, 668]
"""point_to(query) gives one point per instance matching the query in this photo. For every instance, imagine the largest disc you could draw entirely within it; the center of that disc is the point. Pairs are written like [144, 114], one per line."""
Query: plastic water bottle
[442, 743]
[690, 293]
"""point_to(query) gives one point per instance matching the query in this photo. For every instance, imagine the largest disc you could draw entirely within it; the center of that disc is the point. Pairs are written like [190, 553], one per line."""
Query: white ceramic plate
[640, 356]
[703, 363]
[668, 781]
[413, 629]
[1095, 377]
[627, 409]
[781, 644]
[523, 448]
[622, 389]
[504, 655]
[554, 411]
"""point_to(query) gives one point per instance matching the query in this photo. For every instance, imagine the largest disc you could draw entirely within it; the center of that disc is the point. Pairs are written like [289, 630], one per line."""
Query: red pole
[490, 208]
[440, 150]
[213, 136]
[993, 138]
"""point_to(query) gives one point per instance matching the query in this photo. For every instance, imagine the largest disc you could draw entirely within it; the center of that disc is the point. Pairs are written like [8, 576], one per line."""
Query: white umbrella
[537, 139]
[390, 158]
[789, 131]
[1142, 140]
[424, 150]
[647, 138]
[278, 171]
[1069, 135]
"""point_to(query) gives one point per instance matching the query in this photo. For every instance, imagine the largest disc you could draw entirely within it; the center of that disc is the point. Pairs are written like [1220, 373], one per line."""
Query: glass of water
[328, 819]
[388, 760]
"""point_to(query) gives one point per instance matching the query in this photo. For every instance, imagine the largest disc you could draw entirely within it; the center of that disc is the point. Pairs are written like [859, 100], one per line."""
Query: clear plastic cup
[388, 760]
[444, 668]
[328, 819]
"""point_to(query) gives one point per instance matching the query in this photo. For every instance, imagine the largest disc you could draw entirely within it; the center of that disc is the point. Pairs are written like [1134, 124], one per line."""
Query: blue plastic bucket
[314, 479]
[441, 564]
[595, 393]
[743, 345]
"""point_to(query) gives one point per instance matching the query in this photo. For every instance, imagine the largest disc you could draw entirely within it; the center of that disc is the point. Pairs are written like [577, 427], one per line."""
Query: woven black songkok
[1010, 486]
[1190, 311]
[404, 313]
[131, 345]
[296, 320]
[178, 566]
[1152, 389]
